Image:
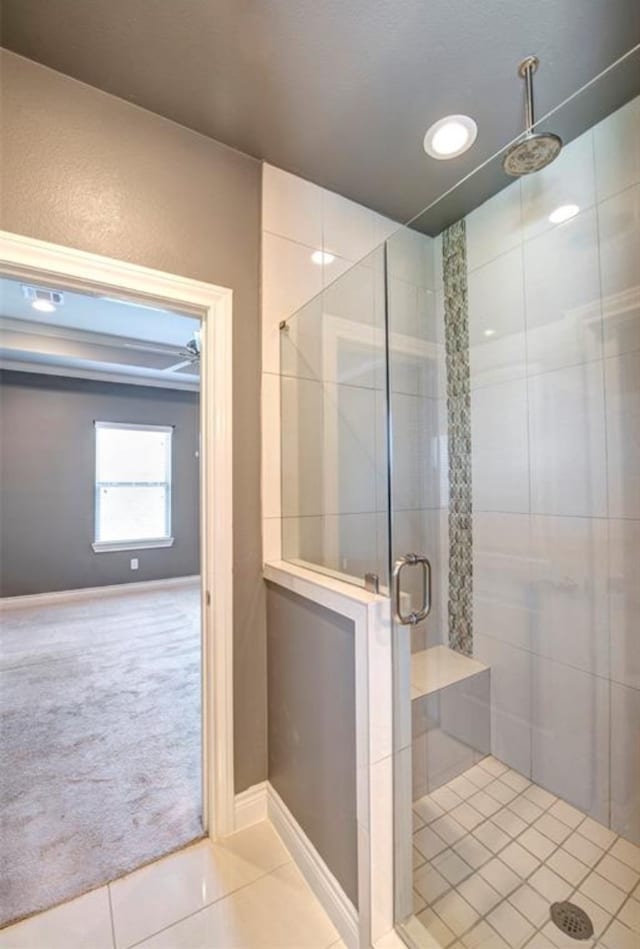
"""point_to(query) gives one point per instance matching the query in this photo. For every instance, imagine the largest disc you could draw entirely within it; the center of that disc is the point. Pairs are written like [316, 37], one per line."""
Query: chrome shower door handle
[411, 560]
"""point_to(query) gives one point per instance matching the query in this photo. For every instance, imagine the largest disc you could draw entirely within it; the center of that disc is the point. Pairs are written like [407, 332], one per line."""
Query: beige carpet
[99, 742]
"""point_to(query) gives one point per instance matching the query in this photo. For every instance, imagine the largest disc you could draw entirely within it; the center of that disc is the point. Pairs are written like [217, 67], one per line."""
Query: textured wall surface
[87, 170]
[312, 726]
[47, 468]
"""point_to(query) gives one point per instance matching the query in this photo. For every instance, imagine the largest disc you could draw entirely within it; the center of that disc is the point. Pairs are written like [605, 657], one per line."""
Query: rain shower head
[535, 150]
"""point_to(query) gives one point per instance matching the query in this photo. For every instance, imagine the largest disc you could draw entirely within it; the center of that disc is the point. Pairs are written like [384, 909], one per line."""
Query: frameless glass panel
[333, 411]
[514, 397]
[418, 459]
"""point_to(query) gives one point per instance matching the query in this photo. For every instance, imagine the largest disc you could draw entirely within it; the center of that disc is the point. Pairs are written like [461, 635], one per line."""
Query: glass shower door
[513, 391]
[418, 523]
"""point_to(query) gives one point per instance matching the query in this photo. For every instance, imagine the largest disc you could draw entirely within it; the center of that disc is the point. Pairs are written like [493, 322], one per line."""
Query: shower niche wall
[472, 394]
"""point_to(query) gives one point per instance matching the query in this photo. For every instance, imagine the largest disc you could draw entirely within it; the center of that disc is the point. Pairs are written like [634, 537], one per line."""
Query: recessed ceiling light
[489, 332]
[43, 305]
[322, 257]
[564, 213]
[450, 137]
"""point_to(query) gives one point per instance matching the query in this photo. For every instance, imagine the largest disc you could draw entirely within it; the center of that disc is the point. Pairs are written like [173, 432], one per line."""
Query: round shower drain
[572, 920]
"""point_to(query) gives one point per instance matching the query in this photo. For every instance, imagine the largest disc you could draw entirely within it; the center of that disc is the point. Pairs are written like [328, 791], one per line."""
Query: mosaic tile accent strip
[456, 322]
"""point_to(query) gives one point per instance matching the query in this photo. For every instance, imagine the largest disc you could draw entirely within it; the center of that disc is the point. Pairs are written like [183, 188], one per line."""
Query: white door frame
[25, 256]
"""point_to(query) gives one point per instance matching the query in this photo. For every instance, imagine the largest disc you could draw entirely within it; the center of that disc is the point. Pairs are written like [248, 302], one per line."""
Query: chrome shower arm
[526, 70]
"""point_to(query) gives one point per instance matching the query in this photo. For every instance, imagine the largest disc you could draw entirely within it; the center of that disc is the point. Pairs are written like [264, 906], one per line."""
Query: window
[132, 486]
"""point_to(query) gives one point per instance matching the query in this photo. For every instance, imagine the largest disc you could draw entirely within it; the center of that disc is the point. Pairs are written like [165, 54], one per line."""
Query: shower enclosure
[460, 419]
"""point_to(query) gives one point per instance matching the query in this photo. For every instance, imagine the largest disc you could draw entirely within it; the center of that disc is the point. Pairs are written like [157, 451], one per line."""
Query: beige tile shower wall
[555, 374]
[299, 218]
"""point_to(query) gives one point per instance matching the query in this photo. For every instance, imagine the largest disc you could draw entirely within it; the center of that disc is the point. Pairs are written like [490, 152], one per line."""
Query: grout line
[606, 482]
[580, 517]
[205, 906]
[495, 855]
[542, 863]
[547, 658]
[303, 517]
[337, 384]
[529, 531]
[526, 375]
[614, 194]
[294, 240]
[547, 372]
[436, 394]
[527, 240]
[113, 923]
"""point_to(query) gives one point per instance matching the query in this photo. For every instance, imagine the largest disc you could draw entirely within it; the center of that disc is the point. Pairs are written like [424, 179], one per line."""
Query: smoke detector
[42, 298]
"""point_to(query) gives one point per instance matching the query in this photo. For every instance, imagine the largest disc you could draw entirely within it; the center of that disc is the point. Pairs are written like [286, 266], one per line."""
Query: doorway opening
[112, 613]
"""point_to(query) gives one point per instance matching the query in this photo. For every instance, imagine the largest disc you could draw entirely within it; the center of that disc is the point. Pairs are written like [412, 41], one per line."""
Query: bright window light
[564, 213]
[322, 257]
[450, 137]
[132, 485]
[43, 306]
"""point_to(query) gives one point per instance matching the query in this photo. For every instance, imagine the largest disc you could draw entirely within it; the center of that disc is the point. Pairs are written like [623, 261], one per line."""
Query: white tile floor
[244, 893]
[492, 852]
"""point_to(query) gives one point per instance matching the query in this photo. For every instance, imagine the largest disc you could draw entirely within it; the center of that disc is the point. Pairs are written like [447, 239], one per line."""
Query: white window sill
[111, 546]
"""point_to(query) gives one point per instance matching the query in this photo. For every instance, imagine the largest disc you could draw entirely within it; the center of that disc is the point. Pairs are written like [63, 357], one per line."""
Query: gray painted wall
[87, 170]
[47, 466]
[312, 726]
[312, 87]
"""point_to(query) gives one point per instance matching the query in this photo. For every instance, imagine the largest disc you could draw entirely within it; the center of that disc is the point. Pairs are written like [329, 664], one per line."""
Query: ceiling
[96, 337]
[339, 91]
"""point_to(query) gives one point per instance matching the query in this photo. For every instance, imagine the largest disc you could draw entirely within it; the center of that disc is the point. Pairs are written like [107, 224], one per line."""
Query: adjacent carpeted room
[100, 720]
[100, 626]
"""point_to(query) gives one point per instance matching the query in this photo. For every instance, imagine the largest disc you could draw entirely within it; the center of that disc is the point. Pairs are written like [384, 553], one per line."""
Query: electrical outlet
[134, 563]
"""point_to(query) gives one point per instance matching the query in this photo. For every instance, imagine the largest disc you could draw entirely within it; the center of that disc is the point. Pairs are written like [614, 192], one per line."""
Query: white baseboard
[117, 589]
[251, 806]
[262, 801]
[334, 900]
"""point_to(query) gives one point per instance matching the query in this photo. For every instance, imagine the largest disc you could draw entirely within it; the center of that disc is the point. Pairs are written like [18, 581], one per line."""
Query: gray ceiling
[341, 91]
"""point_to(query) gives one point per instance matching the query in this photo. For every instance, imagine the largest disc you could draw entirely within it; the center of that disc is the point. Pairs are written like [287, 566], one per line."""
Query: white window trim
[30, 258]
[112, 546]
[141, 426]
[144, 543]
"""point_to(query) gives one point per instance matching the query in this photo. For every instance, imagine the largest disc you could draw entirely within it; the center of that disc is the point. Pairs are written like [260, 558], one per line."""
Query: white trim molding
[262, 801]
[332, 897]
[25, 257]
[90, 593]
[371, 616]
[251, 806]
[116, 546]
[122, 378]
